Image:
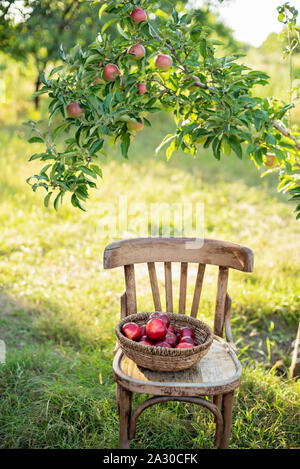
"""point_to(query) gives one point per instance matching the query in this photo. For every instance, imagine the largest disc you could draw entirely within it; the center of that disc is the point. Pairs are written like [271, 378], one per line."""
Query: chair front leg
[124, 401]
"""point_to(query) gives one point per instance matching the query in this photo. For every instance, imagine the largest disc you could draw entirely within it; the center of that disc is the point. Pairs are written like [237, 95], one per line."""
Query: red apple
[171, 328]
[163, 62]
[156, 329]
[146, 338]
[132, 331]
[184, 345]
[138, 15]
[162, 344]
[111, 72]
[187, 340]
[163, 316]
[145, 341]
[143, 337]
[142, 88]
[187, 332]
[137, 50]
[134, 125]
[74, 110]
[171, 339]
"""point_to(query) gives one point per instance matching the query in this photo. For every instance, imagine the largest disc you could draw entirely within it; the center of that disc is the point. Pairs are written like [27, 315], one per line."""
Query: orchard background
[59, 307]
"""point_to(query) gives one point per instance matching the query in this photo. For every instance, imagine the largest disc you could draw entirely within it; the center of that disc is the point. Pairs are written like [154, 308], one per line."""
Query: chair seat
[218, 372]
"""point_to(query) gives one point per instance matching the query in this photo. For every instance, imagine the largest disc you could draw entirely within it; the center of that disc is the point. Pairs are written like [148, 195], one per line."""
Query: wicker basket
[161, 358]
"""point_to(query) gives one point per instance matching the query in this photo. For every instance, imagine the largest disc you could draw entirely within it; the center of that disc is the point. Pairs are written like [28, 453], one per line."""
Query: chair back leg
[227, 406]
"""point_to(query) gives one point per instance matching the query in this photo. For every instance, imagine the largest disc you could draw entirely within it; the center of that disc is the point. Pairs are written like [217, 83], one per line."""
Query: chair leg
[227, 418]
[124, 400]
[217, 400]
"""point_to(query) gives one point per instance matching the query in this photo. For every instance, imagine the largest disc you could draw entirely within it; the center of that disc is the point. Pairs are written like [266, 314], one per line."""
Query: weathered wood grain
[207, 251]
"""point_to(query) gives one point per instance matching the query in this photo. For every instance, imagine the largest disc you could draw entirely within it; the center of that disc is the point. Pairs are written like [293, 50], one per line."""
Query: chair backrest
[184, 250]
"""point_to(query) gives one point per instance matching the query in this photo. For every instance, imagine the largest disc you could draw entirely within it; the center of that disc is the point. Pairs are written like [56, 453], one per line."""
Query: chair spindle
[168, 284]
[154, 286]
[220, 301]
[130, 289]
[182, 287]
[198, 289]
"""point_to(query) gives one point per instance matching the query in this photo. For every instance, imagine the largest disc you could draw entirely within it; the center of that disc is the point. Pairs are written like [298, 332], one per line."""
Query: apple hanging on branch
[108, 91]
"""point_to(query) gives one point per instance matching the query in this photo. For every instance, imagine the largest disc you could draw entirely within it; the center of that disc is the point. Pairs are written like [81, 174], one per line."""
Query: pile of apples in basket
[159, 332]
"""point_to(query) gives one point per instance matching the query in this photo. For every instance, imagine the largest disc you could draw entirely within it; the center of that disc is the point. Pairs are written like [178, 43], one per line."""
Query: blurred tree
[37, 28]
[273, 43]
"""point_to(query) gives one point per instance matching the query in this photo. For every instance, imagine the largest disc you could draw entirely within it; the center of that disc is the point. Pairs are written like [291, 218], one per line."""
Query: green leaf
[270, 139]
[108, 24]
[97, 170]
[41, 91]
[45, 168]
[92, 58]
[56, 201]
[166, 140]
[216, 147]
[55, 70]
[59, 129]
[61, 53]
[101, 11]
[96, 147]
[87, 171]
[236, 146]
[125, 144]
[35, 156]
[161, 14]
[47, 199]
[203, 48]
[252, 148]
[35, 140]
[170, 150]
[76, 203]
[175, 16]
[122, 32]
[43, 78]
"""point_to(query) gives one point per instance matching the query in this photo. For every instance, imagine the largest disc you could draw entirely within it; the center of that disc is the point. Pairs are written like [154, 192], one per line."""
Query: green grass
[59, 307]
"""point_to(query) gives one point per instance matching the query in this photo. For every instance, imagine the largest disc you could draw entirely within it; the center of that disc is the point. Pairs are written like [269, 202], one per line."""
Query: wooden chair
[212, 382]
